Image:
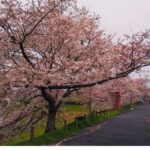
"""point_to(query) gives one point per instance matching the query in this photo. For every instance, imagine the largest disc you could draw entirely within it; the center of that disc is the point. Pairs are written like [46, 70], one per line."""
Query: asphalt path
[128, 129]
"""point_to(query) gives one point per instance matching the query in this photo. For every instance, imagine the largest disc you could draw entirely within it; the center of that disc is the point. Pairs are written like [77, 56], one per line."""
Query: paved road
[130, 128]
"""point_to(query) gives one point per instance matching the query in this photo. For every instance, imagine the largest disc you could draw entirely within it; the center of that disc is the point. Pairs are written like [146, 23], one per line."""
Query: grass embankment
[61, 133]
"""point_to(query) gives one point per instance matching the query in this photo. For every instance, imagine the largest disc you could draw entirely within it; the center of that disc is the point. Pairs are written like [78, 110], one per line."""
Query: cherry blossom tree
[101, 97]
[51, 48]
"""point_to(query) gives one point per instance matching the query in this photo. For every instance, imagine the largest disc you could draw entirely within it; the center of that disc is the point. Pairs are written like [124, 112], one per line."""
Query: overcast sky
[121, 16]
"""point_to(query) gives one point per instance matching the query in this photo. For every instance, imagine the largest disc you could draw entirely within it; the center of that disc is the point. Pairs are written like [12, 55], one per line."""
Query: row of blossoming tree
[50, 49]
[103, 97]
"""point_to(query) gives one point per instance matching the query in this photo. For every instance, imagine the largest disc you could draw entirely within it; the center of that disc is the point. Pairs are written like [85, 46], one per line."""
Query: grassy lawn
[69, 111]
[60, 133]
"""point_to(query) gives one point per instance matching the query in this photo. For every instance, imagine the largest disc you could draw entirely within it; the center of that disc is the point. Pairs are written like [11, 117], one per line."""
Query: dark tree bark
[52, 110]
[50, 125]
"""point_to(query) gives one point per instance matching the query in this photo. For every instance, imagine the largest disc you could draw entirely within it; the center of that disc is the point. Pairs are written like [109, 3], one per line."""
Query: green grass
[72, 127]
[71, 110]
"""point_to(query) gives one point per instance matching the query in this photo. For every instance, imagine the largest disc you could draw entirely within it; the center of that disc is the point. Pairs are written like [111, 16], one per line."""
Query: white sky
[121, 16]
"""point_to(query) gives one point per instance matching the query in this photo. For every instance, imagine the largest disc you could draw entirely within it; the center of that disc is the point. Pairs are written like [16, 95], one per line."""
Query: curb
[83, 132]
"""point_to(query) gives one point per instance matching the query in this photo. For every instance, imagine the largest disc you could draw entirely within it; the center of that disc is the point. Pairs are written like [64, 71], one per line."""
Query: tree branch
[85, 85]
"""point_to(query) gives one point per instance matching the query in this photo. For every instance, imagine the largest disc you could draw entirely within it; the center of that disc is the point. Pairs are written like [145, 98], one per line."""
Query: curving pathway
[130, 128]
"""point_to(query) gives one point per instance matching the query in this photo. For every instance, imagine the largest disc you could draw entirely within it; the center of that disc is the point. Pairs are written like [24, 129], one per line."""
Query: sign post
[117, 100]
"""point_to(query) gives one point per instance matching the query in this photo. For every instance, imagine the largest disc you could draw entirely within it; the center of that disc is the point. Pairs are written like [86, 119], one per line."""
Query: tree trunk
[90, 107]
[50, 125]
[90, 102]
